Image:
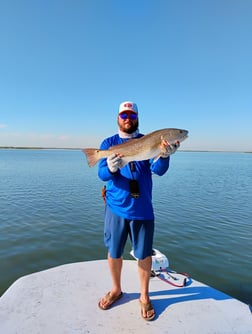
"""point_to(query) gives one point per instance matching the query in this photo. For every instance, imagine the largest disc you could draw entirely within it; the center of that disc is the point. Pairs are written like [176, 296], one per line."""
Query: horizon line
[77, 148]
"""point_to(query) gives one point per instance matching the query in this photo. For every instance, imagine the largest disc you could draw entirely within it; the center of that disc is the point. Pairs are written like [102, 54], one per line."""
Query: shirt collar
[128, 135]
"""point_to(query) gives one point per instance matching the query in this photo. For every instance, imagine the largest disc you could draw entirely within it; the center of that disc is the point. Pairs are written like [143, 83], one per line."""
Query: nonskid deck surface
[64, 300]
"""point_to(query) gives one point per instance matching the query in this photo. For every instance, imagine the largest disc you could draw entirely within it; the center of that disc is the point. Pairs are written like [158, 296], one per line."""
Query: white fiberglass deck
[63, 300]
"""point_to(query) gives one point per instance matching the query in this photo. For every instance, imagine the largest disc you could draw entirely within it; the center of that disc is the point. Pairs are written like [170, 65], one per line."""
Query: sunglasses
[125, 115]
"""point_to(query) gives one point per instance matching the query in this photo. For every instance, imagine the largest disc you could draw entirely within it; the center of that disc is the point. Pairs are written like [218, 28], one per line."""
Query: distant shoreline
[78, 149]
[37, 148]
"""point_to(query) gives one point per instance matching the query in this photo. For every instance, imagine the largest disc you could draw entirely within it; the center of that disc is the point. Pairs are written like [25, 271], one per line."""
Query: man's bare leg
[144, 269]
[115, 266]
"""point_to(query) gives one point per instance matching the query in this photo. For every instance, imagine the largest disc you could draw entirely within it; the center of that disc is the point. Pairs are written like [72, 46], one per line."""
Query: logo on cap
[128, 105]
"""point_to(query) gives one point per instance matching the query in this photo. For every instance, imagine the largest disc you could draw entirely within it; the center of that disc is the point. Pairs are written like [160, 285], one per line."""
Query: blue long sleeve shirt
[118, 196]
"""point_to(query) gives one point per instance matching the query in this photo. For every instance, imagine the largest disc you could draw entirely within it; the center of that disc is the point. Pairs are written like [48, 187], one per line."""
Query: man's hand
[168, 149]
[114, 162]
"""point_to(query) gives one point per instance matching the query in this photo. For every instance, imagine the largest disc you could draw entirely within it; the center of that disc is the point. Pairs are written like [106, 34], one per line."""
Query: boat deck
[63, 300]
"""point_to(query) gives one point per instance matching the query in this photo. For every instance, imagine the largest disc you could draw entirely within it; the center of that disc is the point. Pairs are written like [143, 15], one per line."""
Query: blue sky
[65, 65]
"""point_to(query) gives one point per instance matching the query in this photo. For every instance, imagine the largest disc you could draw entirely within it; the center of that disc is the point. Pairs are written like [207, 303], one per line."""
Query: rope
[172, 277]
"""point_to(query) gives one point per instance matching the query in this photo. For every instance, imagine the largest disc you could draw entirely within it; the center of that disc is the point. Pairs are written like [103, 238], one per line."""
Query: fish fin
[92, 155]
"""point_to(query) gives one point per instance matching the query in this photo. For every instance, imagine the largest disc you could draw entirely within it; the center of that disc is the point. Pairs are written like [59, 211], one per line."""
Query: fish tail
[92, 155]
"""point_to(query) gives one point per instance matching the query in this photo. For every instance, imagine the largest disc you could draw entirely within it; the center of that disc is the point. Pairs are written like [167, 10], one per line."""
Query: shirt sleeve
[160, 166]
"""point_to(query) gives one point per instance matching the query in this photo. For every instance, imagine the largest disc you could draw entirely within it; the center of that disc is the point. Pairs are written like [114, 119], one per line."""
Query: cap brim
[133, 112]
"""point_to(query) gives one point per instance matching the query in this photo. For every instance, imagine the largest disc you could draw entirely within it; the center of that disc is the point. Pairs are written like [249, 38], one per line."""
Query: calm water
[51, 213]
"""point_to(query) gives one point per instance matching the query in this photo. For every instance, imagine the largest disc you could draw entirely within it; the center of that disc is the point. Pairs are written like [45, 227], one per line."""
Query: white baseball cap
[128, 106]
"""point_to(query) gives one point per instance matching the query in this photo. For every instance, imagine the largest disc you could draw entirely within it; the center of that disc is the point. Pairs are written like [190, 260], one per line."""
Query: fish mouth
[184, 134]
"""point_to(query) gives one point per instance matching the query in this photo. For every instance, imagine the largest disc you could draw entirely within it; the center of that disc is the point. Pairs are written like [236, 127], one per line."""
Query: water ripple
[51, 212]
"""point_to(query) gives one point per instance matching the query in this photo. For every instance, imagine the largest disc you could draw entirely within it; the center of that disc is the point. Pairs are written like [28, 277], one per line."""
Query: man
[129, 210]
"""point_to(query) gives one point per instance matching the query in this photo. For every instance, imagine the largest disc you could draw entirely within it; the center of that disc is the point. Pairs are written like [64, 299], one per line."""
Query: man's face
[128, 122]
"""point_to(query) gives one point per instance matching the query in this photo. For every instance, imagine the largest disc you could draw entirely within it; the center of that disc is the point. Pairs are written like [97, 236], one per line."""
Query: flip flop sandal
[109, 301]
[147, 307]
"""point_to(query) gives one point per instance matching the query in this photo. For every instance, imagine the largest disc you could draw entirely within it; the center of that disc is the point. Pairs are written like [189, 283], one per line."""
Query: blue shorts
[117, 230]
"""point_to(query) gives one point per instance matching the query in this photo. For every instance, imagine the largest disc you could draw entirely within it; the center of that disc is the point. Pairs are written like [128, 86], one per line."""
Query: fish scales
[137, 149]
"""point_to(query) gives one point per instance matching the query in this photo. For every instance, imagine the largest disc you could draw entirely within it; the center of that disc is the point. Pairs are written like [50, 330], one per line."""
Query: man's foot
[147, 311]
[108, 300]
